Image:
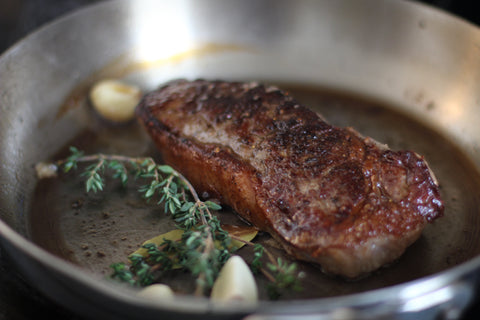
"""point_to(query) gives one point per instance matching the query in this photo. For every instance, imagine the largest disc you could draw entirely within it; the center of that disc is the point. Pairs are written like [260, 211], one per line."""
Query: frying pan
[404, 73]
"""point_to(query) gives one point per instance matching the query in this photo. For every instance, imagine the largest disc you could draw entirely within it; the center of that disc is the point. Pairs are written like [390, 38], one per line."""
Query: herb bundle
[203, 247]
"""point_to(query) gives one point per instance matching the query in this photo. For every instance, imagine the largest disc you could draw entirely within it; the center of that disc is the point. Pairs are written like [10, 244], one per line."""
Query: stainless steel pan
[421, 68]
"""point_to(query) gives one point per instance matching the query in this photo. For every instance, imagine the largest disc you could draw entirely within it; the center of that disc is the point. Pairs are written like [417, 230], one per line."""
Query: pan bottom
[95, 230]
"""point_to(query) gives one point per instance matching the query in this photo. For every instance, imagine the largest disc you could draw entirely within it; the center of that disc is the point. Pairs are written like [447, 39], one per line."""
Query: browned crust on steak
[328, 194]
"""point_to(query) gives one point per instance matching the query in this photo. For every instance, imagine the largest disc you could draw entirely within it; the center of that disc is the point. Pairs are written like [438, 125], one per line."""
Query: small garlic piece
[115, 100]
[156, 292]
[45, 170]
[235, 282]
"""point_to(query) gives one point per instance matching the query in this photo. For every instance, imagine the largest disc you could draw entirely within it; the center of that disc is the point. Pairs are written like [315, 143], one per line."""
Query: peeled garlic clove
[115, 100]
[46, 170]
[156, 292]
[235, 282]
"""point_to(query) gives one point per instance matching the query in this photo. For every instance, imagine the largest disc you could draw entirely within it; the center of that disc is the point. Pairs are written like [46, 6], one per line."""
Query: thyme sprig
[204, 246]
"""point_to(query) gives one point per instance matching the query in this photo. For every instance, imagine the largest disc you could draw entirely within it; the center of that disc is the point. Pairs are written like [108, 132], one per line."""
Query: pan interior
[95, 230]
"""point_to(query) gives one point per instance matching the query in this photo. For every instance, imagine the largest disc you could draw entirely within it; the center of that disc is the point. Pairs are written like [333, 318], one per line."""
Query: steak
[327, 194]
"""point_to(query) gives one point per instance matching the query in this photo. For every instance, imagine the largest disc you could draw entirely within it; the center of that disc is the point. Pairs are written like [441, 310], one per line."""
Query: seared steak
[327, 194]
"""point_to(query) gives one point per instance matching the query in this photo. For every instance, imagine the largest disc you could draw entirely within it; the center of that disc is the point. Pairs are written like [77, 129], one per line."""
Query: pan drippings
[95, 230]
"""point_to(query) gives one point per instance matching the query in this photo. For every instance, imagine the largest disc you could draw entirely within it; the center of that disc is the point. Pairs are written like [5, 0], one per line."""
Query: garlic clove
[115, 100]
[235, 282]
[156, 292]
[46, 170]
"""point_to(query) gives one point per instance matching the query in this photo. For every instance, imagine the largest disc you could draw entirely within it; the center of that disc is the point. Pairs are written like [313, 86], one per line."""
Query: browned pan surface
[94, 230]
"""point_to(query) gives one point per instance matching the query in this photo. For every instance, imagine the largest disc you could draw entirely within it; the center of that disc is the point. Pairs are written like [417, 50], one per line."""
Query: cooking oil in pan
[95, 230]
